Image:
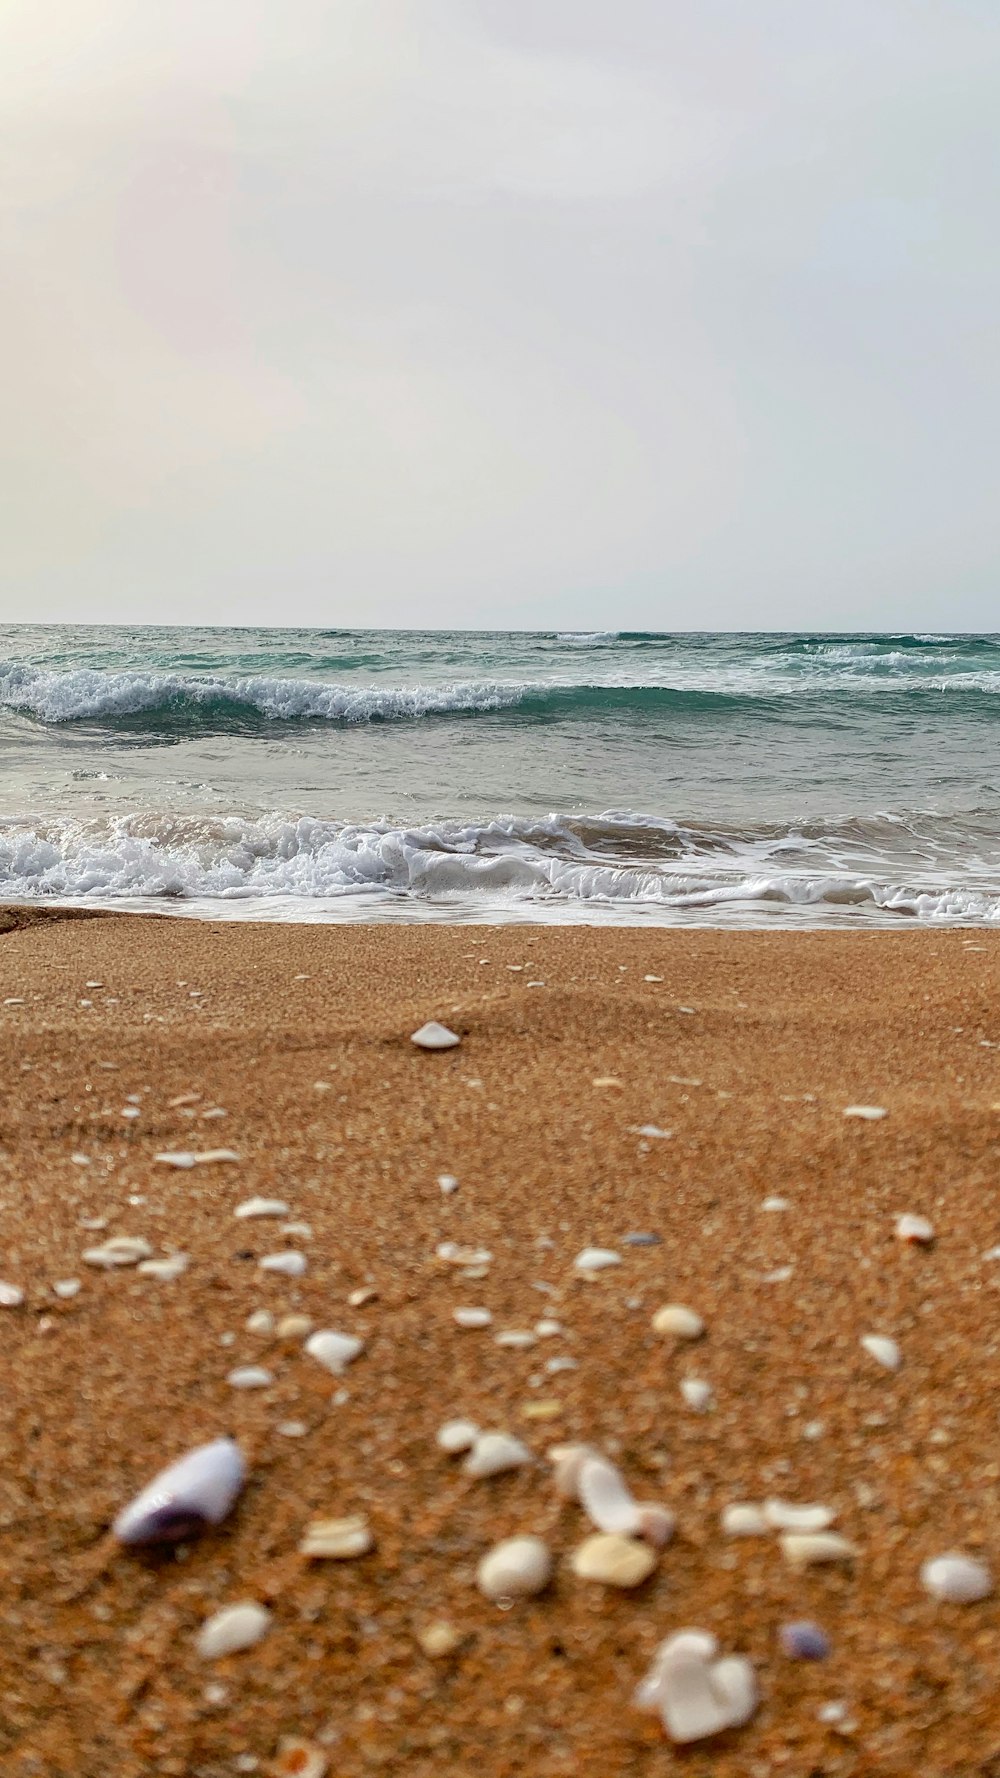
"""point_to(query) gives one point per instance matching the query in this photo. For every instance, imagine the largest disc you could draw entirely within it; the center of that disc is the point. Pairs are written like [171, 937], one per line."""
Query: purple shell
[195, 1492]
[804, 1641]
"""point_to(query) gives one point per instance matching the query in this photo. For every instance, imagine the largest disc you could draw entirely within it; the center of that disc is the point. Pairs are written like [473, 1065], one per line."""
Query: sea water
[720, 780]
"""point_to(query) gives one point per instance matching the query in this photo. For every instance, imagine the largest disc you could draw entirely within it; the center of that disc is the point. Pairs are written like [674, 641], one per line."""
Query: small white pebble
[517, 1568]
[775, 1204]
[292, 1265]
[292, 1428]
[10, 1296]
[613, 1559]
[457, 1435]
[250, 1376]
[165, 1270]
[548, 1330]
[233, 1628]
[66, 1288]
[804, 1549]
[785, 1515]
[555, 1365]
[493, 1453]
[433, 1036]
[914, 1229]
[696, 1393]
[335, 1351]
[472, 1317]
[676, 1319]
[595, 1259]
[884, 1351]
[744, 1520]
[870, 1113]
[957, 1579]
[448, 1183]
[516, 1337]
[261, 1207]
[260, 1322]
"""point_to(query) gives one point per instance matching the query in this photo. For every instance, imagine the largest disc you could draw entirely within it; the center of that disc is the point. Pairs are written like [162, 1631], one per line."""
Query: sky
[658, 314]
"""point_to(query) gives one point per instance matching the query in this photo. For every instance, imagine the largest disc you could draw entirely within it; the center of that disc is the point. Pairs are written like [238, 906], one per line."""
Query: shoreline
[748, 1049]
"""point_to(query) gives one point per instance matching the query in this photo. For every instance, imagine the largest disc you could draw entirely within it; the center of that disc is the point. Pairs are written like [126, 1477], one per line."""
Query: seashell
[197, 1491]
[595, 1259]
[472, 1317]
[67, 1288]
[260, 1207]
[493, 1453]
[654, 1524]
[914, 1229]
[233, 1628]
[457, 1435]
[517, 1338]
[335, 1351]
[804, 1641]
[652, 1132]
[165, 1270]
[291, 1265]
[184, 1157]
[957, 1579]
[569, 1461]
[433, 1036]
[682, 1322]
[744, 1520]
[250, 1376]
[292, 1428]
[120, 1250]
[366, 1294]
[448, 1183]
[297, 1231]
[884, 1351]
[804, 1549]
[11, 1296]
[296, 1758]
[517, 1568]
[294, 1327]
[260, 1322]
[604, 1496]
[555, 1365]
[696, 1393]
[781, 1515]
[613, 1560]
[337, 1540]
[775, 1204]
[549, 1330]
[696, 1694]
[870, 1113]
[455, 1255]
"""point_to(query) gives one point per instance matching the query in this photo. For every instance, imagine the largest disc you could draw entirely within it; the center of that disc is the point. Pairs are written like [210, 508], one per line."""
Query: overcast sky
[631, 313]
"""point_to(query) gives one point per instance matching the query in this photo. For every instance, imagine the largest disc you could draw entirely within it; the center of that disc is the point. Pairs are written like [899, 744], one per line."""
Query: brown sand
[98, 1673]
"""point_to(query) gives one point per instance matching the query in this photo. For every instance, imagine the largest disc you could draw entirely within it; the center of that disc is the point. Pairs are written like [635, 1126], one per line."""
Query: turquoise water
[307, 774]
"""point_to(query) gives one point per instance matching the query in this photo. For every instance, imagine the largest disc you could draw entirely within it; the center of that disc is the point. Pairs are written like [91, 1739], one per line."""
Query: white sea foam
[668, 872]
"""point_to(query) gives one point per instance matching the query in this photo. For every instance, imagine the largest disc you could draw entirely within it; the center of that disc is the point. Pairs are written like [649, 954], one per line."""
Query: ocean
[712, 780]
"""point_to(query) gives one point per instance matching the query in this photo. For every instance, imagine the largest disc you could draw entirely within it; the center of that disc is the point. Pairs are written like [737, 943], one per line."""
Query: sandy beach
[746, 1048]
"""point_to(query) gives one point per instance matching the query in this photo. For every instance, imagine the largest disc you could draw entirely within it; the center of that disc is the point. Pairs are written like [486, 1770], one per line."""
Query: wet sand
[748, 1049]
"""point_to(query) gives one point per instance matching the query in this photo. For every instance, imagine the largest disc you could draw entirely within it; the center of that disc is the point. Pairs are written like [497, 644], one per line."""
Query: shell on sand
[517, 1568]
[186, 1497]
[884, 1351]
[957, 1579]
[696, 1694]
[493, 1453]
[233, 1628]
[335, 1351]
[614, 1560]
[677, 1319]
[433, 1036]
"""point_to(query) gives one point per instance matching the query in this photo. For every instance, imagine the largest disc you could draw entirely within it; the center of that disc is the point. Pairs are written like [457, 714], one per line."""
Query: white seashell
[337, 1540]
[196, 1491]
[698, 1696]
[884, 1351]
[517, 1568]
[871, 1113]
[292, 1265]
[67, 1288]
[366, 1294]
[957, 1579]
[804, 1549]
[455, 1255]
[682, 1322]
[549, 1330]
[696, 1393]
[613, 1560]
[744, 1520]
[448, 1183]
[121, 1250]
[555, 1365]
[472, 1317]
[569, 1461]
[260, 1207]
[775, 1204]
[517, 1338]
[914, 1229]
[250, 1376]
[604, 1496]
[782, 1515]
[595, 1259]
[457, 1435]
[493, 1453]
[181, 1157]
[166, 1270]
[11, 1297]
[260, 1322]
[233, 1628]
[335, 1351]
[652, 1131]
[297, 1231]
[433, 1036]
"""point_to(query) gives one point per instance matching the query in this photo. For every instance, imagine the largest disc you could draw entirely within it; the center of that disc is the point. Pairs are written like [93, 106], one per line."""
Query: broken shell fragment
[291, 1264]
[472, 1317]
[884, 1351]
[783, 1515]
[676, 1319]
[744, 1520]
[335, 1351]
[596, 1259]
[186, 1497]
[250, 1376]
[233, 1628]
[956, 1579]
[165, 1270]
[493, 1453]
[697, 1394]
[457, 1435]
[337, 1540]
[517, 1568]
[695, 1694]
[120, 1250]
[260, 1207]
[804, 1641]
[433, 1036]
[11, 1296]
[613, 1560]
[608, 1503]
[916, 1230]
[805, 1549]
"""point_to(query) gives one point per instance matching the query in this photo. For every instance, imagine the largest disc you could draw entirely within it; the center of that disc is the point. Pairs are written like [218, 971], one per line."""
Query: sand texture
[747, 1050]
